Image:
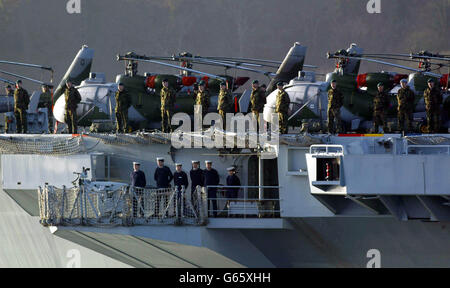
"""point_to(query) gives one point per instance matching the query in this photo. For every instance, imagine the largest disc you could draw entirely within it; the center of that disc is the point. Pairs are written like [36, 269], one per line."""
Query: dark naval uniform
[335, 102]
[380, 106]
[203, 99]
[258, 100]
[223, 105]
[163, 177]
[196, 179]
[45, 101]
[138, 179]
[211, 178]
[233, 180]
[433, 100]
[282, 108]
[167, 102]
[405, 99]
[21, 101]
[180, 179]
[72, 97]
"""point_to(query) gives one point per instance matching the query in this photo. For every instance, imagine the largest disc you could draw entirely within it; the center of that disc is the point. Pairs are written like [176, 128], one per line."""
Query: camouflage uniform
[167, 102]
[380, 106]
[10, 94]
[123, 102]
[21, 101]
[224, 102]
[335, 102]
[405, 99]
[282, 108]
[203, 99]
[433, 99]
[72, 97]
[45, 101]
[258, 100]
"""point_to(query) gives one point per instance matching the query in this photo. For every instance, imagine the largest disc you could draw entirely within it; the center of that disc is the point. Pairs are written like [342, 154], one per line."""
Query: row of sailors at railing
[203, 178]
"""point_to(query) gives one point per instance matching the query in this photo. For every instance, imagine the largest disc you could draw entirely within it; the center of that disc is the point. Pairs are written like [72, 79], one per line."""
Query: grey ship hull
[338, 241]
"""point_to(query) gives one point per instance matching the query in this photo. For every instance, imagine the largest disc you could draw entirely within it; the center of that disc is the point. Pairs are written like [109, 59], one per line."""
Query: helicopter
[37, 117]
[309, 98]
[98, 101]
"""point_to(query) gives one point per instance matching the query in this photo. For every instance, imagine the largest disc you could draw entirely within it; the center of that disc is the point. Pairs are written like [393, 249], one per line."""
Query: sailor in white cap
[232, 180]
[196, 175]
[180, 178]
[163, 175]
[138, 181]
[137, 176]
[211, 179]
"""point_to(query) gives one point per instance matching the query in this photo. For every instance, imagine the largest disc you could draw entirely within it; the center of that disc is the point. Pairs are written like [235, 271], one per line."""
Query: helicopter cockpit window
[312, 94]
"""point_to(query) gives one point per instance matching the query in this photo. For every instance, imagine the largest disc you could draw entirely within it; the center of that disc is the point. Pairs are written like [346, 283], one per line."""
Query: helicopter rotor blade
[25, 78]
[234, 66]
[389, 64]
[259, 61]
[171, 65]
[26, 65]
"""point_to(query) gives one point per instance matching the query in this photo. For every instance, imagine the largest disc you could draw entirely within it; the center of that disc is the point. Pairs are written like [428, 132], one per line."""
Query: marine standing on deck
[405, 99]
[203, 98]
[282, 108]
[163, 176]
[232, 180]
[9, 93]
[380, 106]
[45, 101]
[72, 97]
[433, 100]
[21, 101]
[167, 102]
[257, 100]
[335, 102]
[123, 103]
[224, 101]
[211, 178]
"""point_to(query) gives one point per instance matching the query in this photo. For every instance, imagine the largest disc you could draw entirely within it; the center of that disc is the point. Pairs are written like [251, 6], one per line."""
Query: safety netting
[124, 206]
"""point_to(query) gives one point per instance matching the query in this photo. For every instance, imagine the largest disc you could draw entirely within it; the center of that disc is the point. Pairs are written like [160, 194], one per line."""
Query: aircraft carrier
[312, 200]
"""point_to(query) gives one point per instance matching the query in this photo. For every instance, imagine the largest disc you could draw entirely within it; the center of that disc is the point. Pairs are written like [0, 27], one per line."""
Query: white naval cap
[160, 159]
[178, 164]
[232, 168]
[195, 161]
[208, 161]
[136, 163]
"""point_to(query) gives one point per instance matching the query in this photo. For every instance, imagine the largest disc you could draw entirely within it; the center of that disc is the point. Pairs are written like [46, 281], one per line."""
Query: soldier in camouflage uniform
[433, 100]
[9, 93]
[167, 102]
[335, 102]
[72, 97]
[257, 100]
[45, 101]
[224, 101]
[282, 108]
[21, 101]
[203, 98]
[123, 102]
[380, 106]
[405, 99]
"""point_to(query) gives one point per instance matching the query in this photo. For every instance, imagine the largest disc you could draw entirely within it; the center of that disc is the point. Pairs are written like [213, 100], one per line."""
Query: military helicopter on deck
[98, 100]
[309, 98]
[37, 117]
